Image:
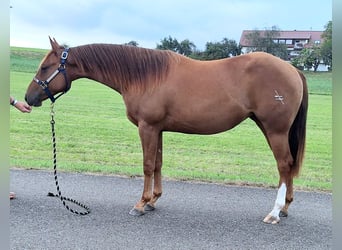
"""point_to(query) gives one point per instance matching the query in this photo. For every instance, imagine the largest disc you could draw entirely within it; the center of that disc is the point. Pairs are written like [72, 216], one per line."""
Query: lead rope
[63, 199]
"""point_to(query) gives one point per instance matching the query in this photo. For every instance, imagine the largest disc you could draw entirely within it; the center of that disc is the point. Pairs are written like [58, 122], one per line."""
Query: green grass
[94, 135]
[26, 60]
[319, 83]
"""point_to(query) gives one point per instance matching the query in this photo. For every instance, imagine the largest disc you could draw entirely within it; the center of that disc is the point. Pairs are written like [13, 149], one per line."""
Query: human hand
[23, 107]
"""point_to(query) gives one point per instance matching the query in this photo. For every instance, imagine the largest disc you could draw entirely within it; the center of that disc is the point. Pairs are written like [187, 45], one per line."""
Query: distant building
[295, 41]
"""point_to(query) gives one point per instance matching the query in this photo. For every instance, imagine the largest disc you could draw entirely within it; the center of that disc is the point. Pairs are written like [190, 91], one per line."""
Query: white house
[295, 41]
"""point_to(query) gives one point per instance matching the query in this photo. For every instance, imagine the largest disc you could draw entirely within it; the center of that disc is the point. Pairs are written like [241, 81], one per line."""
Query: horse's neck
[99, 78]
[91, 69]
[121, 67]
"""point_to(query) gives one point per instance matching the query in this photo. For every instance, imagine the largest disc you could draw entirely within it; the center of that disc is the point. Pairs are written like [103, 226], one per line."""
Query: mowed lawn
[94, 135]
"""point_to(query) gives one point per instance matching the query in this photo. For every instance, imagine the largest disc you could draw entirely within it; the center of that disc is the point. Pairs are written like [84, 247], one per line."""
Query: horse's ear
[54, 44]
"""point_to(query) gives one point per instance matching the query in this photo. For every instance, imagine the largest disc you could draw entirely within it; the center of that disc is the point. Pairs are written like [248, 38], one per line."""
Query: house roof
[295, 34]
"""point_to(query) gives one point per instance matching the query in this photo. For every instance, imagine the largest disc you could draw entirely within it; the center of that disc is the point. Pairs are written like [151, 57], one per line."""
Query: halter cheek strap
[61, 69]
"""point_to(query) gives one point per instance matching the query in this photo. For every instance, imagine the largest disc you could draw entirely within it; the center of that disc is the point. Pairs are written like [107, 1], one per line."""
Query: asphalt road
[188, 216]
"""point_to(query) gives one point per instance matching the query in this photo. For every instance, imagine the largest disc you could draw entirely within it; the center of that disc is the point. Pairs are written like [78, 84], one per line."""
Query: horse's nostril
[27, 100]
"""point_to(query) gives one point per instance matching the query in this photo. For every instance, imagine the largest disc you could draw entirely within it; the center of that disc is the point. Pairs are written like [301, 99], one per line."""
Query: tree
[326, 48]
[168, 43]
[185, 47]
[267, 41]
[309, 58]
[218, 50]
[132, 43]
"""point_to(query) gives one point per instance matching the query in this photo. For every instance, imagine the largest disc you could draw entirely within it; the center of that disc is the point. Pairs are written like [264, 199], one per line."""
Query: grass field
[94, 135]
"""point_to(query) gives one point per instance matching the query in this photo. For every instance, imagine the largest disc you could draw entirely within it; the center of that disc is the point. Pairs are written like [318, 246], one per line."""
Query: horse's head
[51, 77]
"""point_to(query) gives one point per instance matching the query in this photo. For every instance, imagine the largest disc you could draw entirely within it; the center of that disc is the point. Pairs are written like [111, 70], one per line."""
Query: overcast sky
[77, 22]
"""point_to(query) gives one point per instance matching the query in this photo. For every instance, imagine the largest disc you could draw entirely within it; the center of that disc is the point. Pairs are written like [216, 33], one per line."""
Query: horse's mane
[124, 64]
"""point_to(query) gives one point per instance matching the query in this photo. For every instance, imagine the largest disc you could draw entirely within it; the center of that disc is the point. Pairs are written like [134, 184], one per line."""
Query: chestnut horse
[165, 91]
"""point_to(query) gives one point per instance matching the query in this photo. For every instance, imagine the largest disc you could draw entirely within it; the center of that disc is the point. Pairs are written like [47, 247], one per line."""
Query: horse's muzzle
[33, 101]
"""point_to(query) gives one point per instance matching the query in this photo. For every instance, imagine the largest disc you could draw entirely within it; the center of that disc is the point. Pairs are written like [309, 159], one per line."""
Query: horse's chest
[149, 110]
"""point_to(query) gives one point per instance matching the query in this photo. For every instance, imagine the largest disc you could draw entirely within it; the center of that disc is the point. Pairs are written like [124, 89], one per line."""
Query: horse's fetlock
[157, 195]
[146, 198]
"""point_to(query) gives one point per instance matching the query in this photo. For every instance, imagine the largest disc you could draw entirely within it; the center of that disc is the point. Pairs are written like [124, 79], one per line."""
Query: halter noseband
[61, 69]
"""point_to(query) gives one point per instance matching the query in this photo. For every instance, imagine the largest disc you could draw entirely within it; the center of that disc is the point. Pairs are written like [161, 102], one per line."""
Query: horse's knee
[148, 169]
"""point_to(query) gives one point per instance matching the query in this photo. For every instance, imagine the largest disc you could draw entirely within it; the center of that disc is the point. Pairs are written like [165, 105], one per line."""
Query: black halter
[61, 69]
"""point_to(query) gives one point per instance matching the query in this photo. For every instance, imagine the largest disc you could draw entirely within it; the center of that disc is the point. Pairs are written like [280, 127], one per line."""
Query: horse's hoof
[149, 207]
[136, 212]
[283, 214]
[269, 219]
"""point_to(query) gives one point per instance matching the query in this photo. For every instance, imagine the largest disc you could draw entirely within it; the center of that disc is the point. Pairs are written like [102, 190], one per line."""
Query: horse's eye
[44, 68]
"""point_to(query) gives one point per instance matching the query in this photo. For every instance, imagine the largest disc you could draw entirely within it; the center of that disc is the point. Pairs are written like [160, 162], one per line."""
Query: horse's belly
[205, 121]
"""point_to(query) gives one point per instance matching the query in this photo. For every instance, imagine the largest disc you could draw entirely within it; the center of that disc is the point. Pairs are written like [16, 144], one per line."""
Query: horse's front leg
[157, 189]
[149, 137]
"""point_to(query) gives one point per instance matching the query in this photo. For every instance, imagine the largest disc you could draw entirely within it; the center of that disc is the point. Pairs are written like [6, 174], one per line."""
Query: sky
[78, 22]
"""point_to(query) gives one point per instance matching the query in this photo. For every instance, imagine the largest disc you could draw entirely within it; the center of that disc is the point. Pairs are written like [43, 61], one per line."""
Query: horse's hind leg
[281, 150]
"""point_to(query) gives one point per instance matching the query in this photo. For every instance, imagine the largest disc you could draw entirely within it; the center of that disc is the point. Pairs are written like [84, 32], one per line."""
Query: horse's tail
[298, 131]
